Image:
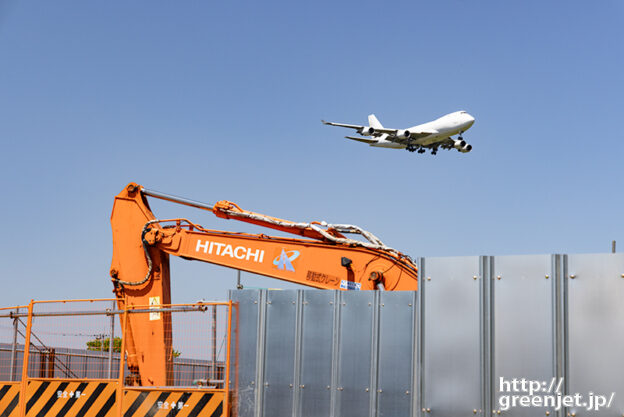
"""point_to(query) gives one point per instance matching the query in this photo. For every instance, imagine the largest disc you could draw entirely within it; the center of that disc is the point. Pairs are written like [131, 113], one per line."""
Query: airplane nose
[471, 119]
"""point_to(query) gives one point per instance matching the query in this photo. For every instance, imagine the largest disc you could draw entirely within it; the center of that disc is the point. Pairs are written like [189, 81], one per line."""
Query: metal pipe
[176, 199]
[238, 280]
[111, 312]
[101, 373]
[226, 371]
[24, 382]
[80, 355]
[42, 363]
[68, 354]
[83, 355]
[214, 342]
[51, 360]
[111, 344]
[166, 310]
[122, 357]
[14, 347]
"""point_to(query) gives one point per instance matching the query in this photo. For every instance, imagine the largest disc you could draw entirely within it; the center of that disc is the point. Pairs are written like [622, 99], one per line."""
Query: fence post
[24, 383]
[14, 345]
[214, 343]
[226, 383]
[51, 359]
[122, 357]
[111, 344]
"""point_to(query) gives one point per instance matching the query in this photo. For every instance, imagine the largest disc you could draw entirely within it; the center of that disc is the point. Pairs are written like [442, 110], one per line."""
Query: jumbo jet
[430, 135]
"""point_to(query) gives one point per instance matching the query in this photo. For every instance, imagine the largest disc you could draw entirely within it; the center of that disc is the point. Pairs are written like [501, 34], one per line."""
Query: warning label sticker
[154, 303]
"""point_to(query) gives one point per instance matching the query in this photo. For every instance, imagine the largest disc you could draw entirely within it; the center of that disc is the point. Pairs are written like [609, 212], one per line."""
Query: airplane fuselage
[446, 126]
[431, 135]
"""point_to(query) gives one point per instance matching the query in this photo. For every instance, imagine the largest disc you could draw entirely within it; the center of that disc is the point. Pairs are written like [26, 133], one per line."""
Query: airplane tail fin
[373, 122]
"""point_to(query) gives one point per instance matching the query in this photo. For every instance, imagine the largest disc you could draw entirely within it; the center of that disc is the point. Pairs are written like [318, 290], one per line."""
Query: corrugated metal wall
[440, 351]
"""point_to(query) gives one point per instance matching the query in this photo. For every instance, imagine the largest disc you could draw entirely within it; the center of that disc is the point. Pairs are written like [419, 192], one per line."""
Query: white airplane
[431, 135]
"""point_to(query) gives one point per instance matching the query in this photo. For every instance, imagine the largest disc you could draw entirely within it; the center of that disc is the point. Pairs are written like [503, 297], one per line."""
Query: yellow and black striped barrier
[98, 398]
[170, 403]
[71, 398]
[9, 399]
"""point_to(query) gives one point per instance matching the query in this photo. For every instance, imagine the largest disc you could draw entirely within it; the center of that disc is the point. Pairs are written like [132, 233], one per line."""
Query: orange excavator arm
[323, 258]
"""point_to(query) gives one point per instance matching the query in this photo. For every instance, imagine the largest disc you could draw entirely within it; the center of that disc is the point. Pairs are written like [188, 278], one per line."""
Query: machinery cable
[147, 256]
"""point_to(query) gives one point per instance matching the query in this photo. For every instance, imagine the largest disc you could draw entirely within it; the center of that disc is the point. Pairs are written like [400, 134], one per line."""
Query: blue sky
[222, 100]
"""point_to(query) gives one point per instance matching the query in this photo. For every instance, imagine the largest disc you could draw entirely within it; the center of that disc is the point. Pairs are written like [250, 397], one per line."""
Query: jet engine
[459, 144]
[465, 149]
[403, 134]
[367, 131]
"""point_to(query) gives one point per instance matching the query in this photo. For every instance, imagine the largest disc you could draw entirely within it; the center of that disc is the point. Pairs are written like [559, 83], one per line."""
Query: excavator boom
[323, 258]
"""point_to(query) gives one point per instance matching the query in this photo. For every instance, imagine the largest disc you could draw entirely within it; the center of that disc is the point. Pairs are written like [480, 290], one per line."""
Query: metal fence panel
[396, 336]
[70, 354]
[596, 329]
[316, 353]
[279, 353]
[364, 354]
[452, 374]
[355, 351]
[523, 324]
[12, 331]
[11, 357]
[244, 362]
[73, 345]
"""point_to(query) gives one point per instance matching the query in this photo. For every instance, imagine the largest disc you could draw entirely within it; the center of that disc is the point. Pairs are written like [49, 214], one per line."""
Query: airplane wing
[392, 133]
[448, 143]
[357, 127]
[362, 139]
[360, 129]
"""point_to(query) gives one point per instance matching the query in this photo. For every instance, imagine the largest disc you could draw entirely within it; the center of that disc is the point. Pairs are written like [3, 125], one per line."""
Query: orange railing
[80, 346]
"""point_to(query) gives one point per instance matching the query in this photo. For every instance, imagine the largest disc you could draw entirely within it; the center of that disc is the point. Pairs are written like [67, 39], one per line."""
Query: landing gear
[460, 136]
[420, 149]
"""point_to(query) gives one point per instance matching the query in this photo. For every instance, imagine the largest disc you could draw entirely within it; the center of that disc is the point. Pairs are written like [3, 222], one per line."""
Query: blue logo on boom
[285, 259]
